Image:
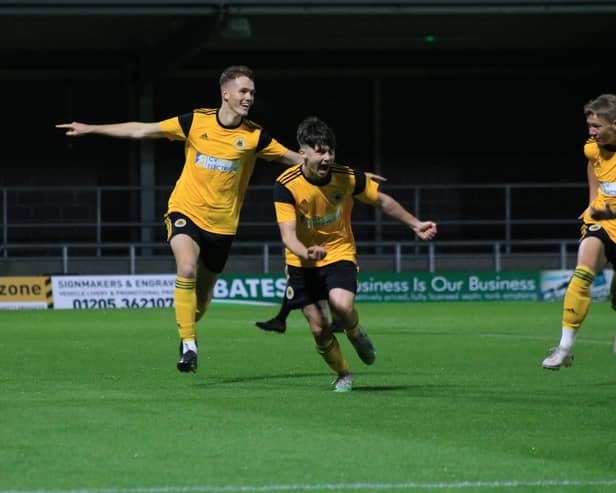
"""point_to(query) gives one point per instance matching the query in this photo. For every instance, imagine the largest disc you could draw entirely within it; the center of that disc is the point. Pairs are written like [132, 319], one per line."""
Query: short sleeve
[369, 192]
[269, 148]
[284, 204]
[172, 129]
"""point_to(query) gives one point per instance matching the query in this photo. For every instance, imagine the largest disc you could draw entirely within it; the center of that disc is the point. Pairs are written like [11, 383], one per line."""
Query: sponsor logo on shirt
[608, 188]
[216, 163]
[318, 221]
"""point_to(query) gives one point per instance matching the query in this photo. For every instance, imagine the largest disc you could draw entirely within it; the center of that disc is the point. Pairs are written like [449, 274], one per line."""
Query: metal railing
[267, 257]
[501, 221]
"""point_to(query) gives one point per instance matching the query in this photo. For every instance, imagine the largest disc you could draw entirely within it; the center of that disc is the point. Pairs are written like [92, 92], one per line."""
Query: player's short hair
[315, 133]
[235, 71]
[603, 107]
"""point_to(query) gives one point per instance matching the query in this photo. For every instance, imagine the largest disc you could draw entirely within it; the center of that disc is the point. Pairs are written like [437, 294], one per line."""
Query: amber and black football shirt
[322, 212]
[218, 166]
[603, 162]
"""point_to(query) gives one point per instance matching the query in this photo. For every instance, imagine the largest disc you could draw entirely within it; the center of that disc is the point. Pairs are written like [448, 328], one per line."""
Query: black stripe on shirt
[360, 183]
[282, 194]
[291, 175]
[343, 170]
[186, 122]
[264, 140]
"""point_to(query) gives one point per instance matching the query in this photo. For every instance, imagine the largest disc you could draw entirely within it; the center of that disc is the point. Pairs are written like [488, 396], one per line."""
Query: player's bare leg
[342, 305]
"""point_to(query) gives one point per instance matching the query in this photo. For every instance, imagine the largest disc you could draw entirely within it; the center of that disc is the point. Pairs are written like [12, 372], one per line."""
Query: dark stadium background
[441, 92]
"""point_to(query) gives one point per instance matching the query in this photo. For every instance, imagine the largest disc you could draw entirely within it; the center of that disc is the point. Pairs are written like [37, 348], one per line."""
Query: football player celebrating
[313, 204]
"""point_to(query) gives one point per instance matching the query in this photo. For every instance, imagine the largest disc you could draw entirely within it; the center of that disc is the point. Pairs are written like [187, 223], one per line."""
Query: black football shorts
[307, 286]
[214, 248]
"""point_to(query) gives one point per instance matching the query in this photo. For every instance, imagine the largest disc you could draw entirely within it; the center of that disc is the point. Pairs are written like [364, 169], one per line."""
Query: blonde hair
[603, 107]
[235, 71]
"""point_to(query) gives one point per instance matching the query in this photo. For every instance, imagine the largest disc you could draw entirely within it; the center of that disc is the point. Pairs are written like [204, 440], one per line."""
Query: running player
[221, 148]
[598, 242]
[313, 204]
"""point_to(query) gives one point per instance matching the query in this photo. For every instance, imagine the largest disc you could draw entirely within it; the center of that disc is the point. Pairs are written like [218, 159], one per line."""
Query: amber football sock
[185, 296]
[332, 355]
[577, 297]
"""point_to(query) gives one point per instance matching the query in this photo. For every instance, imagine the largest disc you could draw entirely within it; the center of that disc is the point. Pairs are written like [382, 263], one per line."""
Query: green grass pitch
[91, 402]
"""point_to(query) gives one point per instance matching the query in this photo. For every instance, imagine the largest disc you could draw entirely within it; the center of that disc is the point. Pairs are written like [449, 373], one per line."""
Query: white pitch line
[337, 487]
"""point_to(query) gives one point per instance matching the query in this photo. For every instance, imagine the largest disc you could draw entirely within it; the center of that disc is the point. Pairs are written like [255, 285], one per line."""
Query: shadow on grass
[483, 393]
[296, 376]
[261, 378]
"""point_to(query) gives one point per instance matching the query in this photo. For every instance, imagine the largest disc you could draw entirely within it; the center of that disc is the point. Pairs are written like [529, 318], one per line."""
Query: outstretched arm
[290, 158]
[375, 177]
[128, 130]
[289, 238]
[426, 230]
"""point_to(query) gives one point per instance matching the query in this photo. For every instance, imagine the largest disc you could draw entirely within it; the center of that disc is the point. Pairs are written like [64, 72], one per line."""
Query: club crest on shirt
[239, 143]
[180, 223]
[304, 207]
[337, 197]
[594, 227]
